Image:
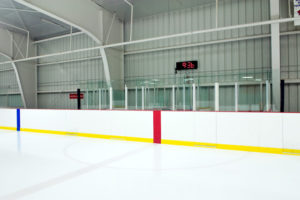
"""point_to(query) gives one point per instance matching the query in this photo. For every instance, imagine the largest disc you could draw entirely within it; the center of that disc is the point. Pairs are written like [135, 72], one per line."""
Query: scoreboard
[186, 65]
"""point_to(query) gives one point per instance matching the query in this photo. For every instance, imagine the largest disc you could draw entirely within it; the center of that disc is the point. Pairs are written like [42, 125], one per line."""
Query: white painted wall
[8, 118]
[290, 129]
[189, 126]
[250, 129]
[119, 123]
[279, 130]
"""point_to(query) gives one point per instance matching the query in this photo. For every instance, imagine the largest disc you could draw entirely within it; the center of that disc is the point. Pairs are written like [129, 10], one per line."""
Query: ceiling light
[247, 77]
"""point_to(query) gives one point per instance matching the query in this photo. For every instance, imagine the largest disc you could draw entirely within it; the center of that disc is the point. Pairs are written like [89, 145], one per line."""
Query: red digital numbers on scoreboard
[186, 65]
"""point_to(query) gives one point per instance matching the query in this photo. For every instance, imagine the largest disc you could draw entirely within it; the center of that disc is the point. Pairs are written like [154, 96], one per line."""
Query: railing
[247, 92]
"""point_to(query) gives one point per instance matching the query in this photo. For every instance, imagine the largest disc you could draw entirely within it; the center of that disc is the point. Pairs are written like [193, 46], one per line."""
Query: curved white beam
[83, 15]
[20, 10]
[25, 72]
[17, 76]
[20, 29]
[88, 22]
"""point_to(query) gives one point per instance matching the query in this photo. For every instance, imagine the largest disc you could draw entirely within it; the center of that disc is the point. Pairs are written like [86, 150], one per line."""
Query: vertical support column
[146, 96]
[282, 84]
[275, 55]
[268, 96]
[236, 95]
[87, 99]
[173, 97]
[71, 34]
[126, 97]
[100, 99]
[217, 105]
[217, 13]
[105, 66]
[78, 99]
[261, 97]
[143, 99]
[94, 99]
[194, 97]
[110, 98]
[136, 98]
[183, 95]
[131, 18]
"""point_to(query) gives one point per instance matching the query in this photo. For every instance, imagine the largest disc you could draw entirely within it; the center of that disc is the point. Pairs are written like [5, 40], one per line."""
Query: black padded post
[78, 99]
[282, 96]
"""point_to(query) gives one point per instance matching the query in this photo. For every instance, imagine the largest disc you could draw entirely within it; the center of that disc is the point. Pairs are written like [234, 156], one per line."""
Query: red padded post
[157, 126]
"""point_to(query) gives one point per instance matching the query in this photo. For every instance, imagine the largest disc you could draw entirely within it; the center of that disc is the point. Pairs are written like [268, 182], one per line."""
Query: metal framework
[269, 22]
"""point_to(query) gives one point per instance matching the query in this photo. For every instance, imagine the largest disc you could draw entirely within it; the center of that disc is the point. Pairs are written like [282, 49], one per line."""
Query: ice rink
[46, 167]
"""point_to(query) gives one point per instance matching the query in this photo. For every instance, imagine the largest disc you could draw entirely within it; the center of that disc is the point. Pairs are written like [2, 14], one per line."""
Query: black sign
[186, 65]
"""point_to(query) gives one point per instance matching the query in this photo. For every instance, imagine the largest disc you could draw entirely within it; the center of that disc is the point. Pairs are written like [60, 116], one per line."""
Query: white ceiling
[39, 25]
[144, 8]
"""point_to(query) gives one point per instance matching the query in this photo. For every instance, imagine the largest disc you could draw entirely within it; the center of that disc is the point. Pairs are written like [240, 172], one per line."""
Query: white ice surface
[49, 167]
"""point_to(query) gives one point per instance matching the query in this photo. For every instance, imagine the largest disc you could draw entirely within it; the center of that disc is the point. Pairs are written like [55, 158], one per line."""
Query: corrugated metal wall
[9, 90]
[59, 75]
[290, 62]
[223, 62]
[290, 65]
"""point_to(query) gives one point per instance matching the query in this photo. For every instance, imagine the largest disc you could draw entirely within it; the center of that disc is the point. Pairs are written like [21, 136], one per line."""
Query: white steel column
[217, 97]
[194, 97]
[217, 13]
[275, 58]
[126, 97]
[105, 66]
[71, 37]
[110, 98]
[183, 92]
[143, 98]
[136, 98]
[261, 97]
[268, 96]
[236, 89]
[131, 18]
[173, 97]
[100, 96]
[87, 99]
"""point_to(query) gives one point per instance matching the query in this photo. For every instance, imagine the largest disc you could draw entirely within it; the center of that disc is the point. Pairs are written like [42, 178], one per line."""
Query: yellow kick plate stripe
[90, 135]
[8, 128]
[173, 142]
[234, 147]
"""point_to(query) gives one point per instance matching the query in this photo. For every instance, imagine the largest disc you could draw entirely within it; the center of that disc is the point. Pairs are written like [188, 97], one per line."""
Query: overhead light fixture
[247, 77]
[258, 79]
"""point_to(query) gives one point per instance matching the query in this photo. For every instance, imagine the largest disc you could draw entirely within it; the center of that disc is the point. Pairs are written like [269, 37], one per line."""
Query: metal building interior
[219, 74]
[64, 58]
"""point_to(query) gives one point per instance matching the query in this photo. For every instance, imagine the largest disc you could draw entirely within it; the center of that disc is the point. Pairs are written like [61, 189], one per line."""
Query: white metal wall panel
[67, 76]
[216, 57]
